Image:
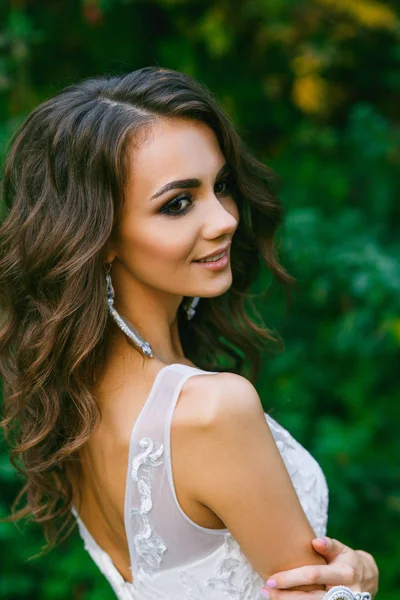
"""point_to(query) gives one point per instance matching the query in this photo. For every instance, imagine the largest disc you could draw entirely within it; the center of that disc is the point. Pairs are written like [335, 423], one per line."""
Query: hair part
[63, 188]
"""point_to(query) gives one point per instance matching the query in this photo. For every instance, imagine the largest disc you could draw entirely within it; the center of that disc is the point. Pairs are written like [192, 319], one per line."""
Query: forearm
[355, 569]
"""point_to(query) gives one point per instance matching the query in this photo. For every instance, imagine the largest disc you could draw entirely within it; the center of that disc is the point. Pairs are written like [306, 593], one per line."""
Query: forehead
[173, 149]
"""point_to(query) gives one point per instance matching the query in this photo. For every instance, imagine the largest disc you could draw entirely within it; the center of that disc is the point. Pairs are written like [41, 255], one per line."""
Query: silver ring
[341, 592]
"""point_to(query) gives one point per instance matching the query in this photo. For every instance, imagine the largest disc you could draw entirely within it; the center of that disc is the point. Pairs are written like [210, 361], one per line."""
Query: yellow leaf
[368, 13]
[309, 94]
[307, 63]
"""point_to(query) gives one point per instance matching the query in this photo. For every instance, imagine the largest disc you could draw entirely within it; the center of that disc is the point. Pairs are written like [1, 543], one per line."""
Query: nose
[221, 217]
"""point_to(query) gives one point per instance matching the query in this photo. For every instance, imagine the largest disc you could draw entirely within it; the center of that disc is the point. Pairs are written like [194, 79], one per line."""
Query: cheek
[161, 248]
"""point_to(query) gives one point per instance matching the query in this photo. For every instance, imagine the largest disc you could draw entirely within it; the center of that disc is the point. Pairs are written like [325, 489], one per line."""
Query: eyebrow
[187, 183]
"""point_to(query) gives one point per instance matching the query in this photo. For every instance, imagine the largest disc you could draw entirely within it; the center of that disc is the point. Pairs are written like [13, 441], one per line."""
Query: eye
[226, 184]
[220, 183]
[168, 209]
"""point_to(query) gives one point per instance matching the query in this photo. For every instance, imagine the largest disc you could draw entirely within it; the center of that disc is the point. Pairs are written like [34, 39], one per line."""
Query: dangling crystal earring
[190, 307]
[122, 322]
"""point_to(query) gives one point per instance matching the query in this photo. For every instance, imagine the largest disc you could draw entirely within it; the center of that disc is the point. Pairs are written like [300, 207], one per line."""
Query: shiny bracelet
[341, 592]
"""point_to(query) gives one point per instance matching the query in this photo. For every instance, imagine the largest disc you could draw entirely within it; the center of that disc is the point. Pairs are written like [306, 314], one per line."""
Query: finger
[292, 595]
[330, 575]
[329, 547]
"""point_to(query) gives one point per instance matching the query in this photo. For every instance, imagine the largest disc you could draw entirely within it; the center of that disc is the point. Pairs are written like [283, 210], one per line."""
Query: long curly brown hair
[63, 189]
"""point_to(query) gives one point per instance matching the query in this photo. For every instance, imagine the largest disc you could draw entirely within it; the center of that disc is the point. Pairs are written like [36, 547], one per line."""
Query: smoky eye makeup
[170, 207]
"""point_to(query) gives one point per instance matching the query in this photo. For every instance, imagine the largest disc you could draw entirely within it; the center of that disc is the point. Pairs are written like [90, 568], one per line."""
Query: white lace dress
[171, 556]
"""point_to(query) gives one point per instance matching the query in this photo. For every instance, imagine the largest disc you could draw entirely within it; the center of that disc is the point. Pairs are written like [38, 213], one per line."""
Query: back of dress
[171, 556]
[160, 535]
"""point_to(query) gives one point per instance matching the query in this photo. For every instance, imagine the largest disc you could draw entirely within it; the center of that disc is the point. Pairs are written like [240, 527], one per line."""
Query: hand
[354, 568]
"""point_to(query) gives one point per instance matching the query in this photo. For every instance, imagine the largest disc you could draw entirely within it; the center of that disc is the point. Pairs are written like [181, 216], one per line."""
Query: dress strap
[160, 535]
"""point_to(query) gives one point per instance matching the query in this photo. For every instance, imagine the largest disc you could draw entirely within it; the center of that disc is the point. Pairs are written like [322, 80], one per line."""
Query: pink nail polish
[323, 541]
[264, 594]
[271, 583]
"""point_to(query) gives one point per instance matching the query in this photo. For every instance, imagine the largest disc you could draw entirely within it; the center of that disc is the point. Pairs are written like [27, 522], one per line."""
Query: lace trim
[148, 545]
[123, 589]
[307, 476]
[233, 578]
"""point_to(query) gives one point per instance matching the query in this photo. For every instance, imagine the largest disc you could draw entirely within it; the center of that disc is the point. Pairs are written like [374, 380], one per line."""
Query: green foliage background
[314, 88]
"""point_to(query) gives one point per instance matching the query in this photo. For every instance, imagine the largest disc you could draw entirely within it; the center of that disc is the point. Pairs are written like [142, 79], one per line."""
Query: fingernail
[264, 594]
[271, 583]
[323, 541]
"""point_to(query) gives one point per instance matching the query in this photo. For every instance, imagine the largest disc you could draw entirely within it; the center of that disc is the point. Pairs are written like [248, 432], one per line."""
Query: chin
[217, 289]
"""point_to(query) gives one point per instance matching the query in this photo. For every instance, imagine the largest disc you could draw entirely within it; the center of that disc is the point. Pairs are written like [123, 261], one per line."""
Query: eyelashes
[167, 209]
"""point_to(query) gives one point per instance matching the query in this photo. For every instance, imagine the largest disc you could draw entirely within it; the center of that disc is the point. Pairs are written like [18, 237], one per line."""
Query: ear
[109, 251]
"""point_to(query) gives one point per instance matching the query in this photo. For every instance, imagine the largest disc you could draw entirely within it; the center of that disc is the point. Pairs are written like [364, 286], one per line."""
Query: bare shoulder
[209, 400]
[227, 461]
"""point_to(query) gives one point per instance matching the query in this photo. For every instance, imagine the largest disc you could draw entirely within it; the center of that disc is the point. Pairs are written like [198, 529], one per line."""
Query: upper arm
[241, 477]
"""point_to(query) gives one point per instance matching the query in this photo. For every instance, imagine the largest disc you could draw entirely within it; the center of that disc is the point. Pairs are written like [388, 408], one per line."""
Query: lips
[215, 253]
[214, 258]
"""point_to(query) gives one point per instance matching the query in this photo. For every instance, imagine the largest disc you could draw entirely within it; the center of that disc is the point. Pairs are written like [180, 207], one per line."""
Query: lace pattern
[307, 477]
[233, 577]
[148, 545]
[123, 589]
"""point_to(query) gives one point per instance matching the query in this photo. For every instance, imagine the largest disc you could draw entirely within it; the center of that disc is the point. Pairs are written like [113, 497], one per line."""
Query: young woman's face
[163, 232]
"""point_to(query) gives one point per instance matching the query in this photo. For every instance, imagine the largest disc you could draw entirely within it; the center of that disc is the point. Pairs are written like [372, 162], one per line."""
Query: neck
[153, 314]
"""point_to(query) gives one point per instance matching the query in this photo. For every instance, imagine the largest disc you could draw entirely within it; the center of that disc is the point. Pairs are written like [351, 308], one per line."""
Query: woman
[120, 190]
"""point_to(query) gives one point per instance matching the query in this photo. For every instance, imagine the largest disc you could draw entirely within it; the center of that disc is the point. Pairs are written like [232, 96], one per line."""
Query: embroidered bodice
[171, 556]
